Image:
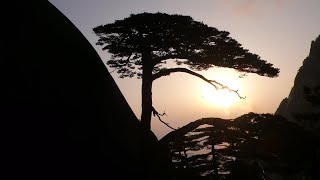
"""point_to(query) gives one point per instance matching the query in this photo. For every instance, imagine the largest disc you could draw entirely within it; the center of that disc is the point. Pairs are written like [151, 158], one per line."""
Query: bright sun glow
[221, 97]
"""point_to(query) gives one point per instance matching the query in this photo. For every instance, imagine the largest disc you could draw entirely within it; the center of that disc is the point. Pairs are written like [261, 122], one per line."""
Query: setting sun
[221, 97]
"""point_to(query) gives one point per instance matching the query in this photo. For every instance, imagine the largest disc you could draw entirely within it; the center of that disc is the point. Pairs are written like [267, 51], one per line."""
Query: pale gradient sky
[280, 31]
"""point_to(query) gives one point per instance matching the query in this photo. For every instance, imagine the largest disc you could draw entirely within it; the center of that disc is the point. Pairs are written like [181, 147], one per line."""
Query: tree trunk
[214, 159]
[146, 91]
[186, 164]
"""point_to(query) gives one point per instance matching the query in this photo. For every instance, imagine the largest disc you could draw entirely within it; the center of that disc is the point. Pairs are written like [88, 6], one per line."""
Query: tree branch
[156, 113]
[214, 83]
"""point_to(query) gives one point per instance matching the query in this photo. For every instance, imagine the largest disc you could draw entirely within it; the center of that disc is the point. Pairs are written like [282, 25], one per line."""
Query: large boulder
[303, 103]
[62, 114]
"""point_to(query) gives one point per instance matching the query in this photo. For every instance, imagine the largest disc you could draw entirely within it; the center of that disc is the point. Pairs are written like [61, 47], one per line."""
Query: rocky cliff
[303, 103]
[62, 114]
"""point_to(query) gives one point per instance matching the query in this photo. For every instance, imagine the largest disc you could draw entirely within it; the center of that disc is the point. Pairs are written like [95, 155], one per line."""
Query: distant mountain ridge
[303, 103]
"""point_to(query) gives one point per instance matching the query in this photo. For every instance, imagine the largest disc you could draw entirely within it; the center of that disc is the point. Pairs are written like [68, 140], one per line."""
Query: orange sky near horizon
[280, 31]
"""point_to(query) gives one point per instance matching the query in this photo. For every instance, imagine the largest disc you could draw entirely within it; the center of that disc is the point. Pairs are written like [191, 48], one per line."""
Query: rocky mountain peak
[315, 47]
[303, 103]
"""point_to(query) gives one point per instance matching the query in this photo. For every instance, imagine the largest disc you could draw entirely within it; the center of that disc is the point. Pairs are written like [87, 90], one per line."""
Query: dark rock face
[62, 114]
[303, 105]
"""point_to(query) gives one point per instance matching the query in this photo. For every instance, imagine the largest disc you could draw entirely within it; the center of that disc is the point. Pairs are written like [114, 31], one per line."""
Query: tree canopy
[278, 145]
[176, 37]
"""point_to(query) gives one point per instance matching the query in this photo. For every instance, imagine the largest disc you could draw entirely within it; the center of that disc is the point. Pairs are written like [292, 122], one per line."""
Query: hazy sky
[280, 31]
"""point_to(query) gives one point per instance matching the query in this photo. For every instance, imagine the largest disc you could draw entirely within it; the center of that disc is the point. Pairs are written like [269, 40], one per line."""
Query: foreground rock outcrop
[303, 103]
[62, 115]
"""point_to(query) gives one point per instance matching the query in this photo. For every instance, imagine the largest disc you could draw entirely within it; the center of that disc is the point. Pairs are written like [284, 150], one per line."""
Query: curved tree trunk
[146, 93]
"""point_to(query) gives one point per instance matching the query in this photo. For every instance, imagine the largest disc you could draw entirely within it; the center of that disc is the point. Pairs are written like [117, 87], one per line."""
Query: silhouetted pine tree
[143, 43]
[258, 143]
